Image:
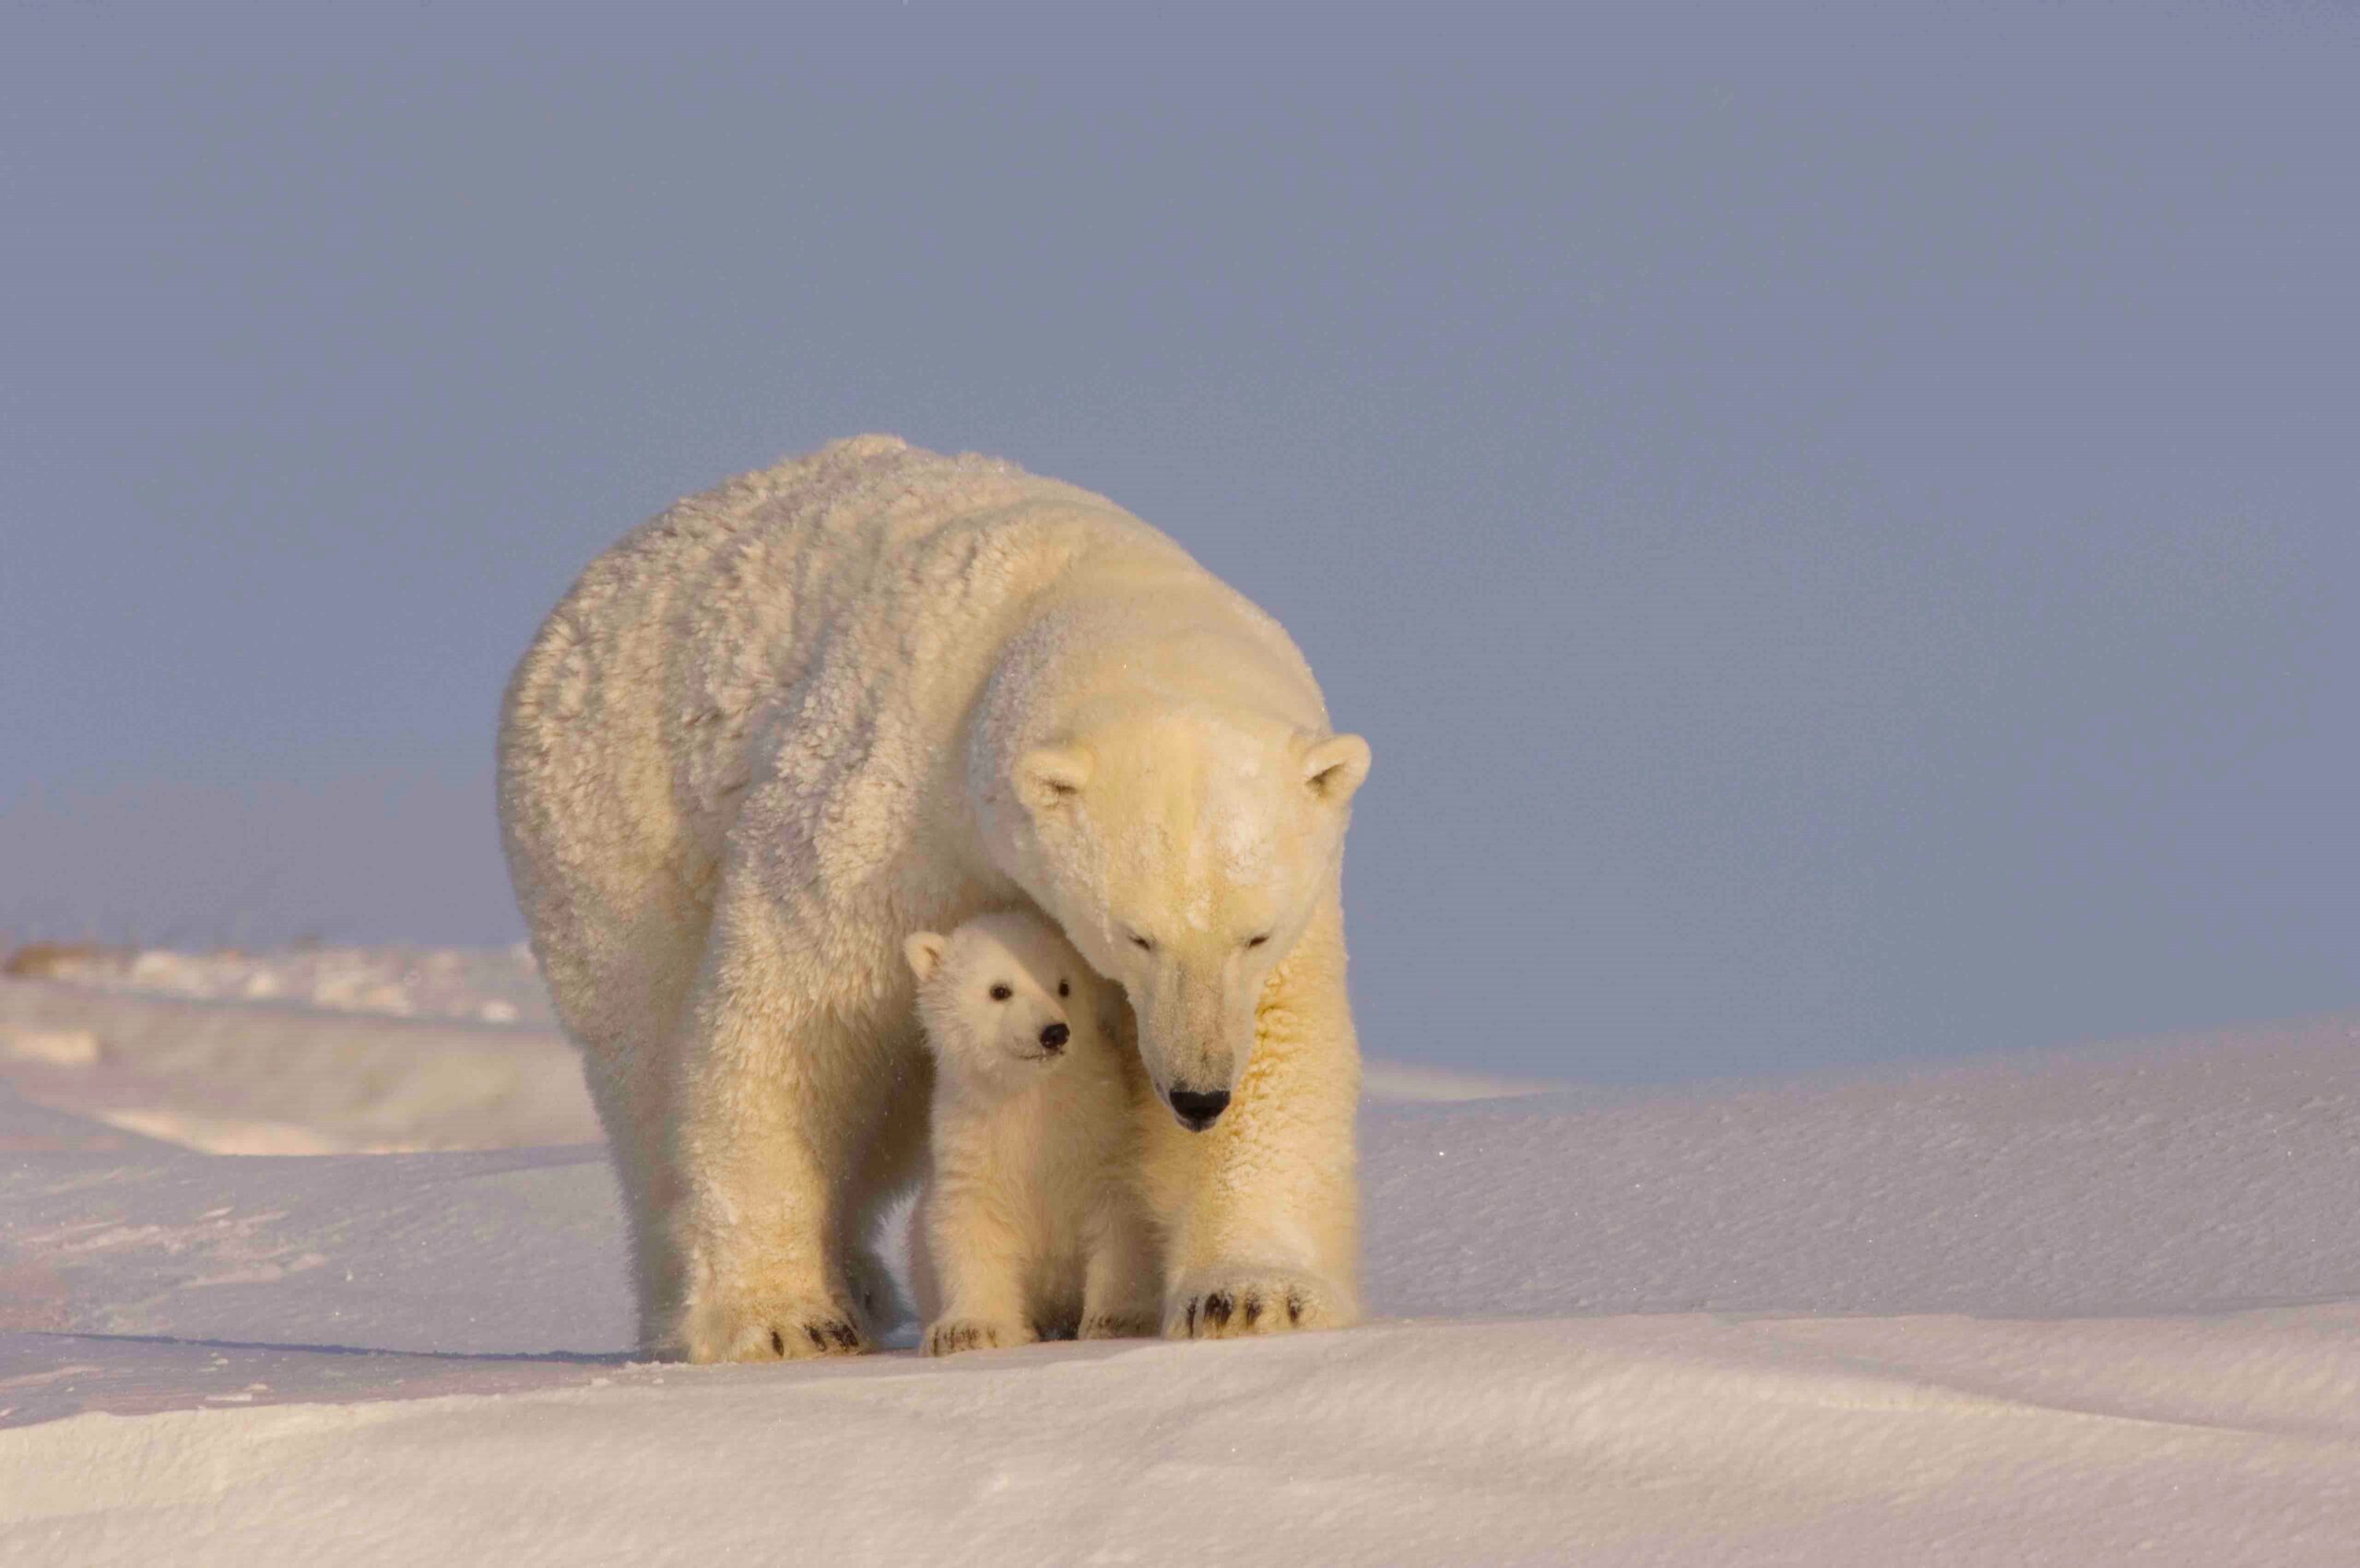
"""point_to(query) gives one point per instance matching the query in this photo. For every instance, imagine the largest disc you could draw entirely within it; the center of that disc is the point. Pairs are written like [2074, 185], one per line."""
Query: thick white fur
[876, 690]
[1033, 1223]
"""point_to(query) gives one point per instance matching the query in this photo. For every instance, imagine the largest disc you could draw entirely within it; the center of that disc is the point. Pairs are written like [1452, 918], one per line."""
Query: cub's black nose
[1054, 1038]
[1197, 1112]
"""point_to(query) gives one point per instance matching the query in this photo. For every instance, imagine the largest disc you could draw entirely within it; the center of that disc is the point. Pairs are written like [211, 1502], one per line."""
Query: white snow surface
[2092, 1305]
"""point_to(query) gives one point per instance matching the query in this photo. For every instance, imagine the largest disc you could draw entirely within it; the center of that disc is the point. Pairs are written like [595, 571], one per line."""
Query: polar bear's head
[1183, 849]
[1002, 995]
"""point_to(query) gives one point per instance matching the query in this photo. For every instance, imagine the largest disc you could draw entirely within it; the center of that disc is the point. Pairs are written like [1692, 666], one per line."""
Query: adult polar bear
[877, 690]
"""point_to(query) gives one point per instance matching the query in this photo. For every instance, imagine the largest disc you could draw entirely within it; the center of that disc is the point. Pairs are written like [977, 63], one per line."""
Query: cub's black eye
[1064, 989]
[1257, 942]
[1001, 993]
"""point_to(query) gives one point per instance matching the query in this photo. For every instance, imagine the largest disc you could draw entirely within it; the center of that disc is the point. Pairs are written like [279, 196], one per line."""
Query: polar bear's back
[676, 645]
[812, 615]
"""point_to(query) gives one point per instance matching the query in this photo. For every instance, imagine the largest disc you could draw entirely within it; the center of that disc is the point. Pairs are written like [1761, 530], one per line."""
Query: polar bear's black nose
[1054, 1038]
[1199, 1111]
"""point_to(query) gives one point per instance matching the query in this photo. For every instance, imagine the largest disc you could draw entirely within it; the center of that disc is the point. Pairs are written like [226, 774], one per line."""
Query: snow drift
[2089, 1306]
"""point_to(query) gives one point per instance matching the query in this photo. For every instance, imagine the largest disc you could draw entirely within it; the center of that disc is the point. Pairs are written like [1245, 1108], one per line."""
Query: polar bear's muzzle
[1194, 1040]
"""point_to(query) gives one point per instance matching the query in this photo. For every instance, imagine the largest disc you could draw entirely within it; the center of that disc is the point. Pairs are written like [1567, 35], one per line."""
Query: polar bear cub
[1032, 1224]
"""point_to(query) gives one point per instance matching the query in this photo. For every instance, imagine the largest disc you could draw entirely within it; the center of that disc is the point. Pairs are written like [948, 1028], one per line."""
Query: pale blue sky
[1841, 522]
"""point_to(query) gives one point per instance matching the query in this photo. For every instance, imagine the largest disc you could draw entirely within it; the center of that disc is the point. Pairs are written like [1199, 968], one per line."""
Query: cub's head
[1004, 993]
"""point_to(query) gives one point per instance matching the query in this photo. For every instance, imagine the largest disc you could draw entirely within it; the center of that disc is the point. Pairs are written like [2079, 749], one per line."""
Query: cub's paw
[780, 1328]
[1135, 1323]
[949, 1336]
[1220, 1303]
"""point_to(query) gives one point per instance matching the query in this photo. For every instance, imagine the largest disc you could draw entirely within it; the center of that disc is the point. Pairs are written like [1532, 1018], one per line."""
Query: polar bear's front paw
[949, 1336]
[793, 1329]
[1230, 1304]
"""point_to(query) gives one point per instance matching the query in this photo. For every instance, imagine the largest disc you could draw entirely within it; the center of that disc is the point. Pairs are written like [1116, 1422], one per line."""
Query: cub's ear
[1335, 767]
[1051, 776]
[925, 951]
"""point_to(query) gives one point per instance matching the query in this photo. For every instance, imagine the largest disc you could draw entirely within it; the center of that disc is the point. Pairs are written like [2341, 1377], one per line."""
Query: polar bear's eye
[1064, 989]
[1142, 943]
[1257, 942]
[1001, 993]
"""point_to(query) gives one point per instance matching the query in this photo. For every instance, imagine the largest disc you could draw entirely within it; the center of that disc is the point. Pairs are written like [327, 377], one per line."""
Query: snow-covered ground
[2083, 1307]
[478, 985]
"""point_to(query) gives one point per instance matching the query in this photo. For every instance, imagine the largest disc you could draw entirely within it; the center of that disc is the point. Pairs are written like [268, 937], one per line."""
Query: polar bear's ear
[1051, 775]
[925, 952]
[1335, 767]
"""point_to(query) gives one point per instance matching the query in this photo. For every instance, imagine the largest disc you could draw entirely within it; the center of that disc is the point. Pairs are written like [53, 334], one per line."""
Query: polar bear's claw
[949, 1336]
[1229, 1309]
[827, 1339]
[1119, 1325]
[795, 1331]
